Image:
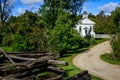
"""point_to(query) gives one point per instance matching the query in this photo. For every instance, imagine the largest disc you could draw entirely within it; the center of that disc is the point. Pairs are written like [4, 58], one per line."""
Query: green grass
[95, 78]
[99, 40]
[41, 74]
[107, 58]
[71, 69]
[7, 49]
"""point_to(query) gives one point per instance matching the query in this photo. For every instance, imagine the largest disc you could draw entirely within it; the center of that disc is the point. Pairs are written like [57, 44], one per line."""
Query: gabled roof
[86, 21]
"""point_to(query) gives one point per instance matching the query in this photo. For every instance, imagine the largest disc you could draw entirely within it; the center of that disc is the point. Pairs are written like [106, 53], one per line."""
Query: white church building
[85, 26]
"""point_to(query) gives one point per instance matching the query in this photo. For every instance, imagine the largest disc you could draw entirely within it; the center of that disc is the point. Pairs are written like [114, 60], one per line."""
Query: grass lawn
[107, 58]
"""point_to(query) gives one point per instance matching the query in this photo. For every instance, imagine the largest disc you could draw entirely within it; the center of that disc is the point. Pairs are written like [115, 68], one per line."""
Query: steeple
[85, 14]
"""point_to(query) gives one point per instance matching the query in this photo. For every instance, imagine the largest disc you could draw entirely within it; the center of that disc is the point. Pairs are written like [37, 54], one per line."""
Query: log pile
[34, 66]
[30, 66]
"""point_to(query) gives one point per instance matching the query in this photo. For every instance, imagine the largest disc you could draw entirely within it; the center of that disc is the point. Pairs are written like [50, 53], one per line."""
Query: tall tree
[59, 18]
[5, 10]
[102, 23]
[91, 16]
[51, 9]
[115, 21]
[63, 37]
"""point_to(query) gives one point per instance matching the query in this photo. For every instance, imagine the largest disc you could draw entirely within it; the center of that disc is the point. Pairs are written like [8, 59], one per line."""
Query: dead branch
[22, 58]
[56, 69]
[57, 62]
[7, 56]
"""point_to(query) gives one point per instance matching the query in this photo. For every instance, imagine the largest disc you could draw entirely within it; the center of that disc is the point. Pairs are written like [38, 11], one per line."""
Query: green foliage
[91, 16]
[108, 24]
[53, 30]
[115, 28]
[102, 23]
[59, 18]
[115, 21]
[63, 37]
[25, 33]
[51, 9]
[19, 43]
[7, 49]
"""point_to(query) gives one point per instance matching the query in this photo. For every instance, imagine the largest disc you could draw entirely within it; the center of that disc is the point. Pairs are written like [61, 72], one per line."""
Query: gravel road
[90, 60]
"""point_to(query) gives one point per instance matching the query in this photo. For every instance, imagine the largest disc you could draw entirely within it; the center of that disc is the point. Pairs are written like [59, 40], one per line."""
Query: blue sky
[91, 6]
[95, 6]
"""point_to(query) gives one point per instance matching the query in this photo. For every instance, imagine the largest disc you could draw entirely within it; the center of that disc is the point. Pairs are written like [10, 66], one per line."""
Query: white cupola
[85, 14]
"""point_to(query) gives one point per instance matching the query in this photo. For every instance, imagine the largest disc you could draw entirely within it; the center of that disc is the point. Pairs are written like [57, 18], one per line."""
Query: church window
[80, 28]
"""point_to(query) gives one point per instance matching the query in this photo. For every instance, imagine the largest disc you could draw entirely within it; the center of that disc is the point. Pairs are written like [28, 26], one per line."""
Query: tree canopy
[25, 33]
[115, 21]
[50, 30]
[51, 9]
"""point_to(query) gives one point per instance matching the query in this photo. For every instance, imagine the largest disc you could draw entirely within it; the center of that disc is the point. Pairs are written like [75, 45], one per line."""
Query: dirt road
[90, 60]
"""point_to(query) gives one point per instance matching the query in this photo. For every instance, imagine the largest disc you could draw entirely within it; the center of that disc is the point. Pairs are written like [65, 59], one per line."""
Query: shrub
[115, 43]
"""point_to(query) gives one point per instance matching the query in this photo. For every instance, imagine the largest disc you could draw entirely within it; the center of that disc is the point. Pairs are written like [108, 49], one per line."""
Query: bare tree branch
[5, 10]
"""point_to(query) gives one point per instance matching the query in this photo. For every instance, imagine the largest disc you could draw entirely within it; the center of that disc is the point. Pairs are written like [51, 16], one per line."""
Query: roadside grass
[107, 58]
[97, 41]
[71, 69]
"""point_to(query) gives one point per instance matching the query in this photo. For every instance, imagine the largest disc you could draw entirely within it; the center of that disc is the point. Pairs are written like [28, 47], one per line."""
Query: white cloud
[108, 8]
[20, 11]
[31, 1]
[32, 8]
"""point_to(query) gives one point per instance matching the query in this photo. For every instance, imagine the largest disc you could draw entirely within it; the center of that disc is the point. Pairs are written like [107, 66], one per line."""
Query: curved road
[90, 60]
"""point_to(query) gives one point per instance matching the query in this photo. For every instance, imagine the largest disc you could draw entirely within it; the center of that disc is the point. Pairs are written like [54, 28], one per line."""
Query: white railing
[102, 36]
